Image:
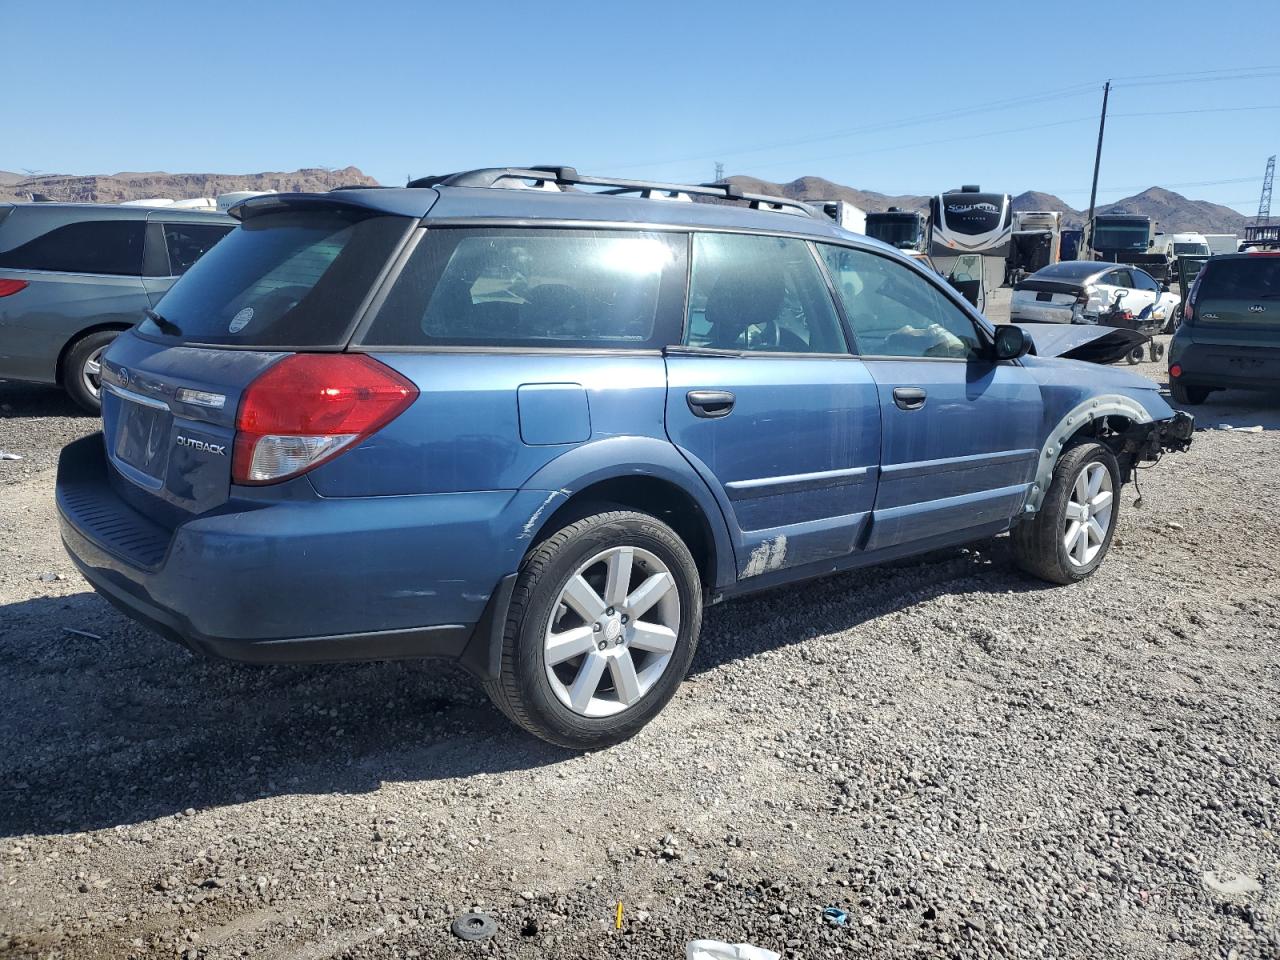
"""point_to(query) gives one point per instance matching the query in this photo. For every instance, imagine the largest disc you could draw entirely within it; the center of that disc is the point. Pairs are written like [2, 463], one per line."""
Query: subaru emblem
[123, 374]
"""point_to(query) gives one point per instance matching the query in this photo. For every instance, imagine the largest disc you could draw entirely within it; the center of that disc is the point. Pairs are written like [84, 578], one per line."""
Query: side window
[1118, 278]
[90, 246]
[188, 242]
[760, 293]
[535, 287]
[897, 313]
[1143, 282]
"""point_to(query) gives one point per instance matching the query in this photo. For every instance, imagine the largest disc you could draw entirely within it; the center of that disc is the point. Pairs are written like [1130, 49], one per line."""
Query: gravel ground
[969, 763]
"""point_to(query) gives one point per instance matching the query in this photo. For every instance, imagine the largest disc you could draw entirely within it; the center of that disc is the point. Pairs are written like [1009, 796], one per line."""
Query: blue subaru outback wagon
[535, 421]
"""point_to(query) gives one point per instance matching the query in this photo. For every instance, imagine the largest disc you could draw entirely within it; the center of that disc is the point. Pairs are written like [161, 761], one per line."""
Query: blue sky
[896, 97]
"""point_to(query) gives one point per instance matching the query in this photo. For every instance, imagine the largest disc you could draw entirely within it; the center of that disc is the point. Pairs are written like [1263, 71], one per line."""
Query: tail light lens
[10, 287]
[1175, 370]
[308, 408]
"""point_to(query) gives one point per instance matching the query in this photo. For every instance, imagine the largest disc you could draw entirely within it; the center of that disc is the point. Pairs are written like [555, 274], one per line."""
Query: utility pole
[719, 172]
[1097, 162]
[1264, 202]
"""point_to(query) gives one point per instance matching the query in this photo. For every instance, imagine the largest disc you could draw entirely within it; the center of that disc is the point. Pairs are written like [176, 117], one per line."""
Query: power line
[1027, 100]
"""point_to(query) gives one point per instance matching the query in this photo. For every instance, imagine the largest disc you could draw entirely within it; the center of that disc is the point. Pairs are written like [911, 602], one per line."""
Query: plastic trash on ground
[719, 950]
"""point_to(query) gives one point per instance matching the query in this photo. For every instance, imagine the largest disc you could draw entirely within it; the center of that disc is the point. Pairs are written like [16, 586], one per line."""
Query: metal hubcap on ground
[92, 372]
[612, 631]
[1088, 514]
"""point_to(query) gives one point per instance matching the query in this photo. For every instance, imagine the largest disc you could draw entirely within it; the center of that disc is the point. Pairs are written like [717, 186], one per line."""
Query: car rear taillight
[10, 287]
[308, 408]
[1175, 370]
[1082, 297]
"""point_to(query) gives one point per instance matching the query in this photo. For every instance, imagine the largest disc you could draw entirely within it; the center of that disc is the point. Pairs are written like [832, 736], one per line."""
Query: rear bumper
[1249, 365]
[317, 580]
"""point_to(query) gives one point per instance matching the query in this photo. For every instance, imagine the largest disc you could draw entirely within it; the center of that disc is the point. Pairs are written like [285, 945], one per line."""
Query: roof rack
[555, 177]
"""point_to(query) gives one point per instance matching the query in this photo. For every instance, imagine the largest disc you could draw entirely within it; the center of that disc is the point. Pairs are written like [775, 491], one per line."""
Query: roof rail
[555, 177]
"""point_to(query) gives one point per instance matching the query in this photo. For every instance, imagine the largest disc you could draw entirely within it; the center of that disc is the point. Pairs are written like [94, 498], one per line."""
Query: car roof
[454, 203]
[1075, 269]
[68, 210]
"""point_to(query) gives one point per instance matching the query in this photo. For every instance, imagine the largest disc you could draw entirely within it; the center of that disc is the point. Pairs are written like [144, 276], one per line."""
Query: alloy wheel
[612, 631]
[1088, 514]
[91, 373]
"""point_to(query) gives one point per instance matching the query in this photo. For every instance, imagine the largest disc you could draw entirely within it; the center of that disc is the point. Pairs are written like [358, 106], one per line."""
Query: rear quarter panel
[38, 322]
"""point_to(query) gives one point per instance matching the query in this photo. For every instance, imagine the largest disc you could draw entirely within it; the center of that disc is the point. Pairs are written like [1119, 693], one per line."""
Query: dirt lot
[967, 762]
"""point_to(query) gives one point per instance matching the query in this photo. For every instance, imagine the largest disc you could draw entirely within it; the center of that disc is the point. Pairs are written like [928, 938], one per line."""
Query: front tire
[1069, 537]
[82, 369]
[602, 626]
[1191, 396]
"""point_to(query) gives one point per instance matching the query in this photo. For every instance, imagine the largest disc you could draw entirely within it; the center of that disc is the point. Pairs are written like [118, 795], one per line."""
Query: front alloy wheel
[1069, 535]
[1088, 514]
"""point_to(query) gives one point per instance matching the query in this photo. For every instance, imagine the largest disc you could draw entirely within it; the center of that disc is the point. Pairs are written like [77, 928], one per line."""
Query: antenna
[719, 172]
[1264, 202]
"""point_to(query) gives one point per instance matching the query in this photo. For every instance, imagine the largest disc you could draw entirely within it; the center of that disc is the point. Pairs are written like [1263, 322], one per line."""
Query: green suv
[1230, 330]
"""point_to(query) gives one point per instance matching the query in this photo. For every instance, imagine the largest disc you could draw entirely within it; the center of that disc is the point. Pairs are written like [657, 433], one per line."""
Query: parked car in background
[1230, 330]
[536, 430]
[1080, 291]
[73, 275]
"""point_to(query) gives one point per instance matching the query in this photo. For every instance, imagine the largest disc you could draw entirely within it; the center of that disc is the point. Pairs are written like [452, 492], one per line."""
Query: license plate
[1044, 296]
[141, 436]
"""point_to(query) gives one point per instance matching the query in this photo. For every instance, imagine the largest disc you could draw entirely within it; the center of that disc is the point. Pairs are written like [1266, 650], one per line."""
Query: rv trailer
[970, 233]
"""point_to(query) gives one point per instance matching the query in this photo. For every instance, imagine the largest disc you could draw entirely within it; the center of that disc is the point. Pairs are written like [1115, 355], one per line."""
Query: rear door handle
[909, 398]
[710, 404]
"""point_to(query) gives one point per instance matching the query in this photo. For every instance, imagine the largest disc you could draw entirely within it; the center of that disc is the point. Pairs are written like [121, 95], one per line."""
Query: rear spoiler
[369, 203]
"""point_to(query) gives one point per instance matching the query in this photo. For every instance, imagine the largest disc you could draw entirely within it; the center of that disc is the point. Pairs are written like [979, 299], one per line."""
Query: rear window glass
[89, 246]
[1257, 278]
[1070, 270]
[281, 280]
[530, 287]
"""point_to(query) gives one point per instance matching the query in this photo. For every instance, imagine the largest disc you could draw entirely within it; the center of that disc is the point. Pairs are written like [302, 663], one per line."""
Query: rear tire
[589, 656]
[1083, 501]
[1189, 395]
[81, 369]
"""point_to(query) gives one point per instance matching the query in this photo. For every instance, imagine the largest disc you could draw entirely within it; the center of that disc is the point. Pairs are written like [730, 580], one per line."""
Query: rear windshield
[1256, 278]
[1070, 270]
[535, 288]
[280, 281]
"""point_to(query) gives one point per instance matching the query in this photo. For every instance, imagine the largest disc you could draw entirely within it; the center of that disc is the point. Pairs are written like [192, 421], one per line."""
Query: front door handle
[710, 404]
[909, 398]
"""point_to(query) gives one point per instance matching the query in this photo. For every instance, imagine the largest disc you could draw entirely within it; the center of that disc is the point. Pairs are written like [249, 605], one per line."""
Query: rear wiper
[166, 326]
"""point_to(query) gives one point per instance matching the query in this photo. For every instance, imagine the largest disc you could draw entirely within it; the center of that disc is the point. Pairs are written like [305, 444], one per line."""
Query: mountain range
[118, 187]
[1171, 211]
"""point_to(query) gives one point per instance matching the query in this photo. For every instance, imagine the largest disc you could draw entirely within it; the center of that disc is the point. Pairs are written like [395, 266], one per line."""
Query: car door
[768, 405]
[1109, 285]
[1147, 295]
[961, 432]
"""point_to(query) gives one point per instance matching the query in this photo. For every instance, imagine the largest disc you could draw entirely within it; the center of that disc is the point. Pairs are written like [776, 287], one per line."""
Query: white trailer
[1222, 243]
[844, 213]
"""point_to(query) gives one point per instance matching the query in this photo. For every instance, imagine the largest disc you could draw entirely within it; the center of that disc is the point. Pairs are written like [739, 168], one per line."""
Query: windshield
[280, 280]
[1132, 237]
[897, 232]
[1191, 249]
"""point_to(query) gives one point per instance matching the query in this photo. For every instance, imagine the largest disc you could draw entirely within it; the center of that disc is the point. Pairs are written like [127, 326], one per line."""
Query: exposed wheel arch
[646, 494]
[1082, 421]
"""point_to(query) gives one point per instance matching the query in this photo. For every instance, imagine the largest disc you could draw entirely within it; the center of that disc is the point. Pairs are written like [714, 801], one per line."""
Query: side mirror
[1012, 342]
[1164, 287]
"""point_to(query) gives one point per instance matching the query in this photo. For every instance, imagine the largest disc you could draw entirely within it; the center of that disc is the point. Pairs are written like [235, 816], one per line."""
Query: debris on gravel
[959, 761]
